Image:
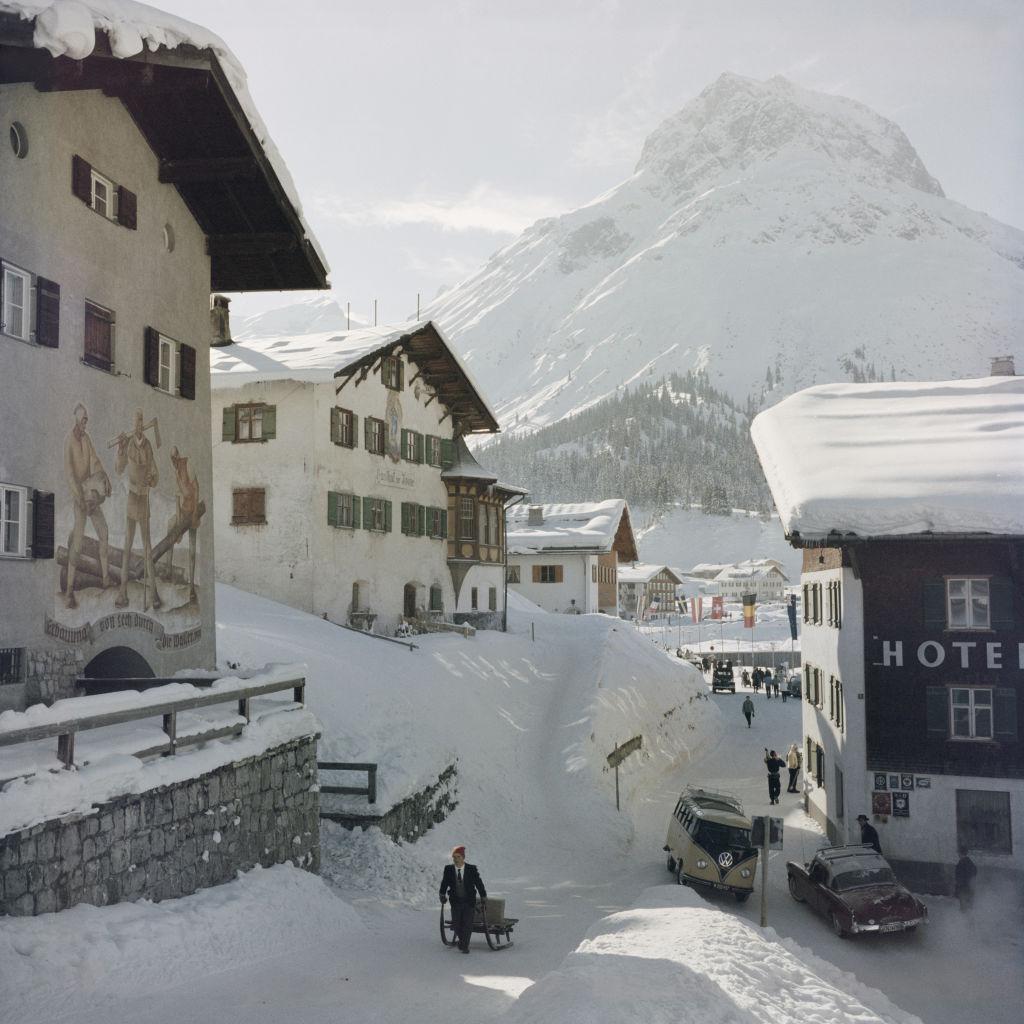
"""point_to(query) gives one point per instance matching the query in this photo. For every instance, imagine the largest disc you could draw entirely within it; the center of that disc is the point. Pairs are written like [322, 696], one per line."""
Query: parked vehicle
[722, 679]
[793, 684]
[708, 843]
[854, 888]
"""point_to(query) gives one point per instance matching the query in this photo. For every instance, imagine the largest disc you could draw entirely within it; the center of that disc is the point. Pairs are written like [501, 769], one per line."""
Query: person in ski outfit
[793, 764]
[773, 763]
[748, 709]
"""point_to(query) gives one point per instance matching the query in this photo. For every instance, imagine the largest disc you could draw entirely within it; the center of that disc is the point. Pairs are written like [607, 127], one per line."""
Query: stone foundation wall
[170, 841]
[480, 620]
[48, 674]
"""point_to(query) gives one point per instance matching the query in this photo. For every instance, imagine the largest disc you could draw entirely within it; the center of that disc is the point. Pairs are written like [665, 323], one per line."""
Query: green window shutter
[1004, 714]
[332, 508]
[357, 506]
[419, 447]
[447, 453]
[1000, 592]
[934, 605]
[387, 516]
[405, 442]
[269, 422]
[227, 430]
[336, 425]
[355, 431]
[444, 523]
[937, 712]
[421, 520]
[405, 516]
[400, 372]
[367, 513]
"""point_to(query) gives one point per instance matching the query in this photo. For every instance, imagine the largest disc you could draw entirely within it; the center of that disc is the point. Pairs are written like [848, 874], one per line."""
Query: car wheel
[794, 890]
[671, 864]
[837, 927]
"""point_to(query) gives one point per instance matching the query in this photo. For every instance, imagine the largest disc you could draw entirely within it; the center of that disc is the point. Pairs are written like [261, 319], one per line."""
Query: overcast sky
[424, 135]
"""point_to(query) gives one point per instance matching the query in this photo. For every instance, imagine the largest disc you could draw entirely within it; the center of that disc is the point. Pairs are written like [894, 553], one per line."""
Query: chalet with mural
[343, 484]
[133, 185]
[908, 503]
[566, 558]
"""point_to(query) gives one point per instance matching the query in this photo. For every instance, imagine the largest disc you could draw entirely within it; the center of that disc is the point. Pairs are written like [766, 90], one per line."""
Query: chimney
[1002, 366]
[536, 516]
[220, 321]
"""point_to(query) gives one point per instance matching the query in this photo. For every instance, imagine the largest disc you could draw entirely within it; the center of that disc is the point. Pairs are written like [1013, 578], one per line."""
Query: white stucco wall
[577, 581]
[46, 230]
[296, 557]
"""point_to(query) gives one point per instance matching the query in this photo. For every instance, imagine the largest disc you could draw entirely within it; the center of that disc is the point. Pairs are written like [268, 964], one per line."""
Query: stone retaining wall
[170, 841]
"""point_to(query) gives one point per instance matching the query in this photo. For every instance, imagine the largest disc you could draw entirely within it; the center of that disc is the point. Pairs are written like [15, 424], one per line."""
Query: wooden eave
[840, 540]
[437, 366]
[191, 118]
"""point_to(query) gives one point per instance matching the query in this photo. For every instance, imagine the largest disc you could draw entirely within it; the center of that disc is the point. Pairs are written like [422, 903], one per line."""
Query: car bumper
[888, 926]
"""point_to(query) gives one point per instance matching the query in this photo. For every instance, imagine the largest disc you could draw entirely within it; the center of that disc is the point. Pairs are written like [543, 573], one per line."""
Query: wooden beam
[259, 243]
[179, 172]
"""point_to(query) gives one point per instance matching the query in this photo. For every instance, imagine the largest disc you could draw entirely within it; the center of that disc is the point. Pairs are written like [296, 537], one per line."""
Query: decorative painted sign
[881, 780]
[901, 805]
[395, 476]
[906, 782]
[894, 782]
[924, 782]
[393, 422]
[881, 804]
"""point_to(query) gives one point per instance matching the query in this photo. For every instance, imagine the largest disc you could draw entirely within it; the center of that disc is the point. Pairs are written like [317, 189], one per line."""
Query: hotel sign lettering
[966, 654]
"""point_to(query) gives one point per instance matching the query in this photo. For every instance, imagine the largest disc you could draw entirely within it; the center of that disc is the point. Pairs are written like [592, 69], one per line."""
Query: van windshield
[715, 837]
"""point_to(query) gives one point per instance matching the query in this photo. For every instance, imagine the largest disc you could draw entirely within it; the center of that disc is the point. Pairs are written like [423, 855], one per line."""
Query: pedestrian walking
[775, 687]
[963, 880]
[745, 677]
[757, 676]
[793, 759]
[773, 763]
[460, 882]
[748, 709]
[868, 833]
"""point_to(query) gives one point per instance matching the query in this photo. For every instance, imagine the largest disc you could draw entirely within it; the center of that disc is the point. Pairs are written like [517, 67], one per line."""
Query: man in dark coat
[773, 763]
[963, 879]
[460, 883]
[868, 833]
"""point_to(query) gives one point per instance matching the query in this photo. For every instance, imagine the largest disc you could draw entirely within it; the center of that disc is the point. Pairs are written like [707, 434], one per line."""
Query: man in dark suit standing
[868, 833]
[460, 883]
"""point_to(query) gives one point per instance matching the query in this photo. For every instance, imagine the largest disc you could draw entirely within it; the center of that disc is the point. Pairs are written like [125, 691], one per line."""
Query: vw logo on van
[725, 859]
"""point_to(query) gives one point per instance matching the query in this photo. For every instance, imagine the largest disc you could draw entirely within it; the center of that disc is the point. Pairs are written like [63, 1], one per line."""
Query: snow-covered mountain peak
[738, 123]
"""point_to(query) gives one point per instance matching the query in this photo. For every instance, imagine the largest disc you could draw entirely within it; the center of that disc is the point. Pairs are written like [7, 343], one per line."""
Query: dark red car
[856, 890]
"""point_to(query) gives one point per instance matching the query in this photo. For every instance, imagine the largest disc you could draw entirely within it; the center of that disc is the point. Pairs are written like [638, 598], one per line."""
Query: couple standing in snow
[774, 764]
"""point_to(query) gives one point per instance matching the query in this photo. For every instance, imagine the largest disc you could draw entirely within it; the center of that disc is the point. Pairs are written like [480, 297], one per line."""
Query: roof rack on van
[707, 797]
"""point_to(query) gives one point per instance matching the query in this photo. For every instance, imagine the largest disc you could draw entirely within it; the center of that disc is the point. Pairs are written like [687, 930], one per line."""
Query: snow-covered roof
[588, 526]
[708, 568]
[644, 572]
[68, 28]
[747, 571]
[320, 358]
[889, 460]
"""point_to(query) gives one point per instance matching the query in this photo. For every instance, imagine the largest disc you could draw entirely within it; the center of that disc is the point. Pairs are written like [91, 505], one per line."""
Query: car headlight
[745, 873]
[702, 864]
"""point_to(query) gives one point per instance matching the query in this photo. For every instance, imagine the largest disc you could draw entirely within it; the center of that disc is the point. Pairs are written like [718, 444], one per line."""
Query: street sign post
[765, 832]
[618, 755]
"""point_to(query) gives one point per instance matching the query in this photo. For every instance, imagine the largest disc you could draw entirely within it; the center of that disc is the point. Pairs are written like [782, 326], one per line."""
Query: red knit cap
[458, 849]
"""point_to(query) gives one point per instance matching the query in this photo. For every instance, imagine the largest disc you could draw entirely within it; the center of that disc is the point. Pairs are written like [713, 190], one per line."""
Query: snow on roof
[642, 572]
[68, 28]
[747, 571]
[708, 568]
[590, 526]
[887, 460]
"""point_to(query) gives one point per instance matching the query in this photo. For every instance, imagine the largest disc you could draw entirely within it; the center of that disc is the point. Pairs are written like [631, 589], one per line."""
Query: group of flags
[718, 609]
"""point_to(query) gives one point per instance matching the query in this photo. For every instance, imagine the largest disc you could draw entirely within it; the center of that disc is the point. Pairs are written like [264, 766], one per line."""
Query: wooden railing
[65, 729]
[369, 791]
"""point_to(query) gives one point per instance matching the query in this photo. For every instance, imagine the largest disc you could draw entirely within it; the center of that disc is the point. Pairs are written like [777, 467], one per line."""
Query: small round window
[19, 140]
[168, 238]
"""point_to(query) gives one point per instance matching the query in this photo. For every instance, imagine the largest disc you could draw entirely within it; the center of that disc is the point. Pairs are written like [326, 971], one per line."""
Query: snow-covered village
[511, 512]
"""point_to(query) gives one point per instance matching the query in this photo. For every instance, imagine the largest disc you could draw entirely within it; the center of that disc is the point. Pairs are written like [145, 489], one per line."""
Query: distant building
[762, 576]
[908, 502]
[343, 484]
[645, 587]
[707, 570]
[565, 558]
[133, 186]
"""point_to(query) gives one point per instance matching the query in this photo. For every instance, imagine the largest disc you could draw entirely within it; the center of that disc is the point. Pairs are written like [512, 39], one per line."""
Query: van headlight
[745, 873]
[702, 864]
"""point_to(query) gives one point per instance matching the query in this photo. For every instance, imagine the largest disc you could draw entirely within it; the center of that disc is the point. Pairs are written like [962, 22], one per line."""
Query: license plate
[895, 926]
[721, 886]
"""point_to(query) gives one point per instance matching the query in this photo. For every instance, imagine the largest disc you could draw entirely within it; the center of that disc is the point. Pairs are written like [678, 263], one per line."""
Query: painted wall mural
[127, 579]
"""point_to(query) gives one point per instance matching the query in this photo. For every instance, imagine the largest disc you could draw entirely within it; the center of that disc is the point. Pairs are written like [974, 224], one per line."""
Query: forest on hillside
[677, 440]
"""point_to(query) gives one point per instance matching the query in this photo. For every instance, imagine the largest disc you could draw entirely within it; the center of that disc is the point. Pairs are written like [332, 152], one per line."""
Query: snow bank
[59, 964]
[673, 958]
[912, 458]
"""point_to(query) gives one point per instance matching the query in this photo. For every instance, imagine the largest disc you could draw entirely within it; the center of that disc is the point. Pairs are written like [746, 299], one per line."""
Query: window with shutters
[248, 423]
[103, 195]
[342, 510]
[391, 373]
[473, 599]
[376, 435]
[983, 821]
[343, 427]
[412, 446]
[248, 506]
[12, 660]
[967, 603]
[17, 309]
[549, 574]
[512, 573]
[111, 201]
[492, 598]
[467, 518]
[13, 520]
[436, 599]
[377, 515]
[169, 377]
[433, 450]
[437, 522]
[99, 336]
[970, 713]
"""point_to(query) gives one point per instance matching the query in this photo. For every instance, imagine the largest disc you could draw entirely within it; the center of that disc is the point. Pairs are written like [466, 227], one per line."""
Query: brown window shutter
[81, 179]
[187, 384]
[536, 574]
[47, 312]
[42, 525]
[127, 206]
[558, 574]
[151, 360]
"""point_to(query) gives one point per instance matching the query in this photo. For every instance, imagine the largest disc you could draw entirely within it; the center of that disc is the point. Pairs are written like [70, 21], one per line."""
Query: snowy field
[601, 935]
